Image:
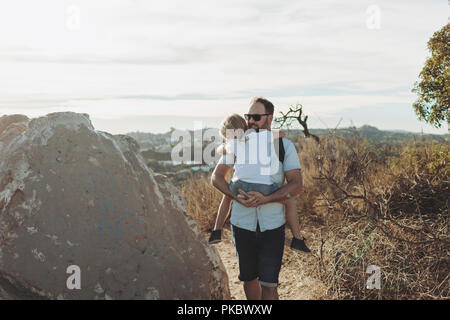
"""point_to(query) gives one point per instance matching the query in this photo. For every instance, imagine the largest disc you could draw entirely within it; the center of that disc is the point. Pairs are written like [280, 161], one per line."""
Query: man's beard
[264, 126]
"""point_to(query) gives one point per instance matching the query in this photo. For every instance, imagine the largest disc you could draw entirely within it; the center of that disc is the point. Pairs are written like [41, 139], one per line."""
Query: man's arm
[293, 187]
[218, 180]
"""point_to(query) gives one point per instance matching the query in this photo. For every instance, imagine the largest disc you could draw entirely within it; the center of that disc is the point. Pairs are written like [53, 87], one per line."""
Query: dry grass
[202, 200]
[361, 206]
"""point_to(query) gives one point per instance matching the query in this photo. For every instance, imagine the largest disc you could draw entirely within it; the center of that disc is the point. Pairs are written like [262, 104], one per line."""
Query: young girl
[233, 129]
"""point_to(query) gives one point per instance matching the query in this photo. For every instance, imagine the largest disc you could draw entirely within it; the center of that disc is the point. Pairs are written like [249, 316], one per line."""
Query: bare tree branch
[295, 113]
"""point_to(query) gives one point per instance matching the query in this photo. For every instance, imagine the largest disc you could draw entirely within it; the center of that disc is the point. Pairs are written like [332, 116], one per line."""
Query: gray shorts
[264, 189]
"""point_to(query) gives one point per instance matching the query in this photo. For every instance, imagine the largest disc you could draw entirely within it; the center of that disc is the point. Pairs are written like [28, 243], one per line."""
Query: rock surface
[73, 195]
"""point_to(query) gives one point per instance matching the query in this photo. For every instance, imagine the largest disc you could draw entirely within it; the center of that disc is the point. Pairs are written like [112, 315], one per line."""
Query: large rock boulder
[72, 195]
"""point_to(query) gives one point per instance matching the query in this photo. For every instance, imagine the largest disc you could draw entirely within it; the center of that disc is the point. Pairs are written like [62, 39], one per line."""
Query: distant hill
[372, 134]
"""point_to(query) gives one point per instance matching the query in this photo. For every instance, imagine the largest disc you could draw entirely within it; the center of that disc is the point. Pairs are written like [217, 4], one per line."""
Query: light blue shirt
[270, 215]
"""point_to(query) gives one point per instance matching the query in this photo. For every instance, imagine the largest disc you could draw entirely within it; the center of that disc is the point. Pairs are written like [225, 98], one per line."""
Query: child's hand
[253, 199]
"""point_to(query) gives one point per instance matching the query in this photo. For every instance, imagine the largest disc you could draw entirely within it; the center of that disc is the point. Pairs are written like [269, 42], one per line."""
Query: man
[258, 222]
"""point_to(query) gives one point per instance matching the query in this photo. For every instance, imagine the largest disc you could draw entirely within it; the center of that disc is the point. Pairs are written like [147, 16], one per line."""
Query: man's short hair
[267, 104]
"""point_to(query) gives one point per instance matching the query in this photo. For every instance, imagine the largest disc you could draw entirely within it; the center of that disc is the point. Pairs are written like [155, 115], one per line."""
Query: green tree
[433, 87]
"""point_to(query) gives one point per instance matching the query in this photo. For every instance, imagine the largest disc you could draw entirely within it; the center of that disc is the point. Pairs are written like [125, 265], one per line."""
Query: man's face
[264, 123]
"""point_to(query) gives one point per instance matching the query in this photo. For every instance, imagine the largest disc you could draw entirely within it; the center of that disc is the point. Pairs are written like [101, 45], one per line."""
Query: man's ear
[269, 121]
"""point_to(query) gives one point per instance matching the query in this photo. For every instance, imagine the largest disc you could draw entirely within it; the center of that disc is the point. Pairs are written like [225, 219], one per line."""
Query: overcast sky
[149, 65]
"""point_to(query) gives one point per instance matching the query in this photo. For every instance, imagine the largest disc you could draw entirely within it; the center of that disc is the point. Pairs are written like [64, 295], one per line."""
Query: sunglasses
[255, 117]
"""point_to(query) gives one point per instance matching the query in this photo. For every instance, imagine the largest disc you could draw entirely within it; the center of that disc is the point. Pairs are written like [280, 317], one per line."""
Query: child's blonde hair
[236, 123]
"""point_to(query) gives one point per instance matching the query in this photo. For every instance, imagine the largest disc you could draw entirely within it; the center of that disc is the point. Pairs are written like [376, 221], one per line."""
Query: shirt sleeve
[291, 160]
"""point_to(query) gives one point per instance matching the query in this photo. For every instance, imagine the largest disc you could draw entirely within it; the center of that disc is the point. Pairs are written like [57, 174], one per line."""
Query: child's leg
[222, 214]
[292, 218]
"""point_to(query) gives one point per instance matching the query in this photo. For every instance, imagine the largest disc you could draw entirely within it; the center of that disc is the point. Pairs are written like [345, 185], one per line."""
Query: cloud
[176, 55]
[208, 56]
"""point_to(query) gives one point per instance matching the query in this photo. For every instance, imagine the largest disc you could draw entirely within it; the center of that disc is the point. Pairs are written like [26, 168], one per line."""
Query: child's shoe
[215, 237]
[299, 244]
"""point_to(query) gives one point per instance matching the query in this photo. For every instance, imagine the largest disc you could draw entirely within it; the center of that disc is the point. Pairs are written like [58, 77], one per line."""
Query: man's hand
[243, 198]
[258, 198]
[251, 198]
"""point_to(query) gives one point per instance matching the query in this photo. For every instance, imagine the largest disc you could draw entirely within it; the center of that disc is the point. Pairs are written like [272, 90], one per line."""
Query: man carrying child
[258, 221]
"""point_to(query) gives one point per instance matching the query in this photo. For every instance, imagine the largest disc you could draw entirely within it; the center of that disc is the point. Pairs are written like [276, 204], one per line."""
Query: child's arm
[278, 134]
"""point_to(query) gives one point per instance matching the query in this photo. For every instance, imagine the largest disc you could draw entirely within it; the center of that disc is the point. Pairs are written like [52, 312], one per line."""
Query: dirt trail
[295, 284]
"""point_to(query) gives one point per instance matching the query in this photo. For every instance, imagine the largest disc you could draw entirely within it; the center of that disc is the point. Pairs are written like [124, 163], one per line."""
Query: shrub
[366, 204]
